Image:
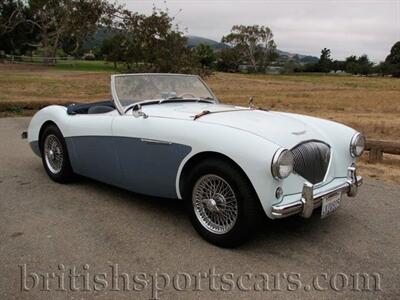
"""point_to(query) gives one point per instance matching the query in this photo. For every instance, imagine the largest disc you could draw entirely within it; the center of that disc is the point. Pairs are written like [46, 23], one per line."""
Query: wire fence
[23, 59]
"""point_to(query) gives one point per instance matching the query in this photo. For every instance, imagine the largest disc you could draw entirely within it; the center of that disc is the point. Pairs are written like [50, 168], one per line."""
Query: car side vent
[311, 160]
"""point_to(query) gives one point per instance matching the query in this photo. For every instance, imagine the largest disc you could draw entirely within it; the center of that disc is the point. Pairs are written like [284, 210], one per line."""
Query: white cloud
[303, 26]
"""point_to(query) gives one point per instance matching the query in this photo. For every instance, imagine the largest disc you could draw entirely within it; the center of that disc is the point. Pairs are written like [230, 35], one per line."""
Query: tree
[359, 65]
[112, 49]
[338, 65]
[365, 65]
[392, 62]
[325, 61]
[394, 56]
[66, 19]
[204, 55]
[351, 65]
[14, 32]
[228, 60]
[255, 43]
[153, 44]
[11, 15]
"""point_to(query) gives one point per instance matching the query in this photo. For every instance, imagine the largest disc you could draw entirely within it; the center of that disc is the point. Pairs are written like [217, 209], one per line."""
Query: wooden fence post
[376, 149]
[375, 155]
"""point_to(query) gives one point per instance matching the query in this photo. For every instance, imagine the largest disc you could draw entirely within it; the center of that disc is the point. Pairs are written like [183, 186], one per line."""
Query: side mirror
[137, 112]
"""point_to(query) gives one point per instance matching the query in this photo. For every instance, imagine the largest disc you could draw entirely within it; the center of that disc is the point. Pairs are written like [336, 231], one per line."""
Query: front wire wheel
[215, 204]
[53, 153]
[221, 202]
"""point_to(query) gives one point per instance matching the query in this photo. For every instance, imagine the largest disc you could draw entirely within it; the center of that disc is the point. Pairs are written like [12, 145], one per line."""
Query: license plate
[330, 204]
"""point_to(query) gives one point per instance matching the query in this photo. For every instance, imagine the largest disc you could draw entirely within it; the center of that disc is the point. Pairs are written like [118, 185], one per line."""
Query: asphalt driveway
[88, 240]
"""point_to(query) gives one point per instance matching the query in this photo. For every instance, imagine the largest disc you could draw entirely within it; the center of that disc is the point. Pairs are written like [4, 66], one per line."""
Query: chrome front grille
[311, 160]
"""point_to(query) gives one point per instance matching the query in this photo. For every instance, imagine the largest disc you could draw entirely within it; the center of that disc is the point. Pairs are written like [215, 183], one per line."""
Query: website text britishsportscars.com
[114, 279]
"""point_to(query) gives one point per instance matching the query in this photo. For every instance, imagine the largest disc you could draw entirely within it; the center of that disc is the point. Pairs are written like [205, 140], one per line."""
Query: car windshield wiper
[174, 98]
[170, 99]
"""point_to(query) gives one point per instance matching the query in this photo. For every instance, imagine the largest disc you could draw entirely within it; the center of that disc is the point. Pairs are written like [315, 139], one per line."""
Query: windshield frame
[120, 108]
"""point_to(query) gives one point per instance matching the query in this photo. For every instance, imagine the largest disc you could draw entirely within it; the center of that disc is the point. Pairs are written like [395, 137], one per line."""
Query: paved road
[47, 230]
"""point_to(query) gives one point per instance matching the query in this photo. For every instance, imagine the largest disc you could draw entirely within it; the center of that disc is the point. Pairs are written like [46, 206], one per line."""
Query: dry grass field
[371, 105]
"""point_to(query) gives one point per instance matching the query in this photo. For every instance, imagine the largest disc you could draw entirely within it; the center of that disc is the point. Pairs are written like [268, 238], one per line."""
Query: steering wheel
[186, 94]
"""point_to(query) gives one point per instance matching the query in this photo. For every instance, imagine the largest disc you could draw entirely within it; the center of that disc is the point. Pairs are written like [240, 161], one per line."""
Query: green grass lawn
[86, 66]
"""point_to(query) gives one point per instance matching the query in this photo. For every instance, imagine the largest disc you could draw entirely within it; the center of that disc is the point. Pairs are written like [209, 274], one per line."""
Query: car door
[91, 147]
[149, 161]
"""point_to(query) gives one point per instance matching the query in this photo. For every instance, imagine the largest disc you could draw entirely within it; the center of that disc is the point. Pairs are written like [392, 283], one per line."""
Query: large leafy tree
[228, 60]
[15, 34]
[204, 55]
[59, 20]
[113, 49]
[153, 43]
[255, 43]
[11, 15]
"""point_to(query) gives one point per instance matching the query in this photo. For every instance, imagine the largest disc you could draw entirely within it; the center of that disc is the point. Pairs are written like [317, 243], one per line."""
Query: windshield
[130, 89]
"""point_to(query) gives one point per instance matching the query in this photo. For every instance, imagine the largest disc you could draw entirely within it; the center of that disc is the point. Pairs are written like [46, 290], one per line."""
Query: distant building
[272, 69]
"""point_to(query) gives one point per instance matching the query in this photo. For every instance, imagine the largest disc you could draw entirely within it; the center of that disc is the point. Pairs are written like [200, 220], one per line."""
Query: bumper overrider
[309, 201]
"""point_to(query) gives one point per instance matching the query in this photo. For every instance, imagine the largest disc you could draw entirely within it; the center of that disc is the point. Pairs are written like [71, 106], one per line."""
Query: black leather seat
[84, 108]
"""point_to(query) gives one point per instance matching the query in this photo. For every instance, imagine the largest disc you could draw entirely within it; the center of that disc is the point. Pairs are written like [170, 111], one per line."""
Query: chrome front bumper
[309, 201]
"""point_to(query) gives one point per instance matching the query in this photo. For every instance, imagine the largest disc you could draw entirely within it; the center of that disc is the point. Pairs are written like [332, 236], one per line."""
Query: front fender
[53, 113]
[253, 154]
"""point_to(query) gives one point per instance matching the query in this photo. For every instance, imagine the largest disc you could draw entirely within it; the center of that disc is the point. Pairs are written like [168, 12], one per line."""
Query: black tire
[248, 205]
[64, 173]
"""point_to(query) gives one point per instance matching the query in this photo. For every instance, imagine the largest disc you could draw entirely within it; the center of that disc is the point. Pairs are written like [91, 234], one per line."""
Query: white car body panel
[249, 137]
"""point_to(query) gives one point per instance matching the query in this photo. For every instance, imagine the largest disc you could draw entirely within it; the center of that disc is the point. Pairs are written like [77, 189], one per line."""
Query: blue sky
[304, 26]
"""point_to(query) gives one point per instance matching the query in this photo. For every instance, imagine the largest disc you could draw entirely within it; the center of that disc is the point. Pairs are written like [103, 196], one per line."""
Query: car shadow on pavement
[268, 232]
[145, 202]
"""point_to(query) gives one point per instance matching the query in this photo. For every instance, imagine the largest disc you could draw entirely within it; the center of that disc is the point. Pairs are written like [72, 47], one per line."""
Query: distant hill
[193, 41]
[100, 35]
[103, 33]
[284, 55]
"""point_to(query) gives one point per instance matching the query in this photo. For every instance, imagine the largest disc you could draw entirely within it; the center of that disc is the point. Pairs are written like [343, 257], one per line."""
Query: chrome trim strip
[114, 96]
[309, 201]
[208, 88]
[155, 142]
[328, 168]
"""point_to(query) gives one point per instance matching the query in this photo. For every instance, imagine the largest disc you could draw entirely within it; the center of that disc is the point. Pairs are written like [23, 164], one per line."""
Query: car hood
[283, 129]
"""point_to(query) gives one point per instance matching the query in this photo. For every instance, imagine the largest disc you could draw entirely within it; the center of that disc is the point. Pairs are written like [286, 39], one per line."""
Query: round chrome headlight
[282, 164]
[357, 145]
